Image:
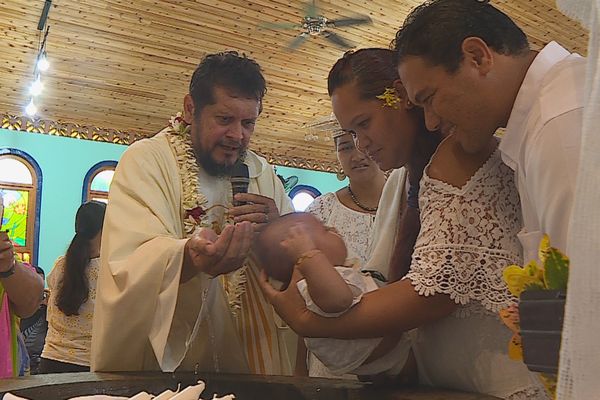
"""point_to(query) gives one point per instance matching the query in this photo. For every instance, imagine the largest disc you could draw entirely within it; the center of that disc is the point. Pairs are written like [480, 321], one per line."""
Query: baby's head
[275, 260]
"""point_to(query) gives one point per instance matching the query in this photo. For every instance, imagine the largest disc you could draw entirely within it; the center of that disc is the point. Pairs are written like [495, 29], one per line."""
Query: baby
[331, 286]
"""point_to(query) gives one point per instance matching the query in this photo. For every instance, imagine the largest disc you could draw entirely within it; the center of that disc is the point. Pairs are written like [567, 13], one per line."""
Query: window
[97, 181]
[20, 186]
[302, 196]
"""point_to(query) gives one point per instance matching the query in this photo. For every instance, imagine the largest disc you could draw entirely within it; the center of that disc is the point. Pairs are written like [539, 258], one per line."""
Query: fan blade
[337, 39]
[294, 44]
[283, 25]
[349, 21]
[311, 9]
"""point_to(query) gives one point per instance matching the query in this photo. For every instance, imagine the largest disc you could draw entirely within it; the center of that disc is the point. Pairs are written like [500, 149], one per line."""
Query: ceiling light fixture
[41, 61]
[31, 109]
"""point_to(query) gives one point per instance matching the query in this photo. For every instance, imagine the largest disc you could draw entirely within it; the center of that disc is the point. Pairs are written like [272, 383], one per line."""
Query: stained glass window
[18, 187]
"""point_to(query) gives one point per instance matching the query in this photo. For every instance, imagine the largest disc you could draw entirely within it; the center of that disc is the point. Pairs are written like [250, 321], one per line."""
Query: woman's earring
[340, 175]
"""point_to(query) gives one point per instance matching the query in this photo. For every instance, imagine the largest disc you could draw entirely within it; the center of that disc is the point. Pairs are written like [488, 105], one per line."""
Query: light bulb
[31, 109]
[36, 87]
[43, 63]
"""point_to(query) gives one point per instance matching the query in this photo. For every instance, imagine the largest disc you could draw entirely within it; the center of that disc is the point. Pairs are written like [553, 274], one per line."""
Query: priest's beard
[214, 168]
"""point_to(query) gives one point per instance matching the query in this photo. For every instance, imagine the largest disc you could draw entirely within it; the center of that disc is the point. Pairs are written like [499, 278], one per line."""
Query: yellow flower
[390, 98]
[544, 249]
[518, 279]
[515, 348]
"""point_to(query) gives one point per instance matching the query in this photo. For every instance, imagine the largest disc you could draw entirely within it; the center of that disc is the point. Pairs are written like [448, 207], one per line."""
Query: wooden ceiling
[126, 64]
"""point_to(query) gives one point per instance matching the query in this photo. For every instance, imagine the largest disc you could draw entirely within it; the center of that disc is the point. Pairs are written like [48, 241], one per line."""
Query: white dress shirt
[542, 144]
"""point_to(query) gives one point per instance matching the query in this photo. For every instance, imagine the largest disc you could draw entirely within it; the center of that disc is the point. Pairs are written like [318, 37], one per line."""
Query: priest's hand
[258, 210]
[215, 255]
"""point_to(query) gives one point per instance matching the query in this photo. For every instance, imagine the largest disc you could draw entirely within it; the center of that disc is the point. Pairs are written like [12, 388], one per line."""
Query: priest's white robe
[144, 319]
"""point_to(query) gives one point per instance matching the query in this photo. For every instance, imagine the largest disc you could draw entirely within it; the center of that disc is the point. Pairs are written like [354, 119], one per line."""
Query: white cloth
[467, 237]
[387, 219]
[371, 241]
[355, 227]
[580, 349]
[144, 319]
[69, 338]
[342, 356]
[542, 144]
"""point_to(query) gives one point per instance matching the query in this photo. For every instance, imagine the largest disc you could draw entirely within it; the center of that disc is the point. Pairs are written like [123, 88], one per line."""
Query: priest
[177, 288]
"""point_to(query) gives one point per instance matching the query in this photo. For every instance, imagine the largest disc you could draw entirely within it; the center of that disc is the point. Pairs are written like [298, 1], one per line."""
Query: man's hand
[215, 255]
[258, 209]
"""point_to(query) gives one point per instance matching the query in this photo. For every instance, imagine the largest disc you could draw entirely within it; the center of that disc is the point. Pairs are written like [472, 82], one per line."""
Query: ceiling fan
[313, 24]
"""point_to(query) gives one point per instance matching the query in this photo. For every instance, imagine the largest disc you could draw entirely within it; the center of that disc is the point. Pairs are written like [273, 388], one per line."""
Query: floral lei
[195, 203]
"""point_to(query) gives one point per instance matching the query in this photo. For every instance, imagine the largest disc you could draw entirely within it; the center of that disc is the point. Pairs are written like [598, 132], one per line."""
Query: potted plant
[538, 320]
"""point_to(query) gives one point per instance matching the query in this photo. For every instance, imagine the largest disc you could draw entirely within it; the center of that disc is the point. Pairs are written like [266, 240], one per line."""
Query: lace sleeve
[467, 238]
[465, 273]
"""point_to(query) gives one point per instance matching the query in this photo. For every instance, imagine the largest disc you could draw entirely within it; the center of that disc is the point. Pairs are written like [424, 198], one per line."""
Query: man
[169, 230]
[471, 69]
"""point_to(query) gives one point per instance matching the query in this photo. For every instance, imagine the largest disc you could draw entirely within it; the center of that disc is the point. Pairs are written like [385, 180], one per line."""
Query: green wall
[64, 162]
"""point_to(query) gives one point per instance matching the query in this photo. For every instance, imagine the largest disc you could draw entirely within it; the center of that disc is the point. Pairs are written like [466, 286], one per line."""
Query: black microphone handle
[239, 184]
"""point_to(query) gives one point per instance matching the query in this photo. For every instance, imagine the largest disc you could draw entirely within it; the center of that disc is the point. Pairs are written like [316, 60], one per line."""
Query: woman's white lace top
[468, 236]
[356, 228]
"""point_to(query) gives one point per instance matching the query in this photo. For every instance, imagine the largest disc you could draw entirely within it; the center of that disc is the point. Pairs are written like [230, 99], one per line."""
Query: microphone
[240, 179]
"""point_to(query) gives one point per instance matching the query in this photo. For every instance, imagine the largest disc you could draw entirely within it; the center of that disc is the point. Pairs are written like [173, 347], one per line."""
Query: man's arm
[551, 165]
[141, 260]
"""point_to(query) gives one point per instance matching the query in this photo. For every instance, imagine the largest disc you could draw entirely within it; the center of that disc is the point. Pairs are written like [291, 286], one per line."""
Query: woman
[351, 211]
[363, 95]
[21, 292]
[72, 284]
[453, 291]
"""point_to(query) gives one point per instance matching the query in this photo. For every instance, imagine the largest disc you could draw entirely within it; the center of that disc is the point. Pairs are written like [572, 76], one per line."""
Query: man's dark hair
[436, 29]
[228, 70]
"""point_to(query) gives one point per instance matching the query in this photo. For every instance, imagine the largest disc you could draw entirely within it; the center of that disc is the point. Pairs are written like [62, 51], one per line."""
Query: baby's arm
[326, 287]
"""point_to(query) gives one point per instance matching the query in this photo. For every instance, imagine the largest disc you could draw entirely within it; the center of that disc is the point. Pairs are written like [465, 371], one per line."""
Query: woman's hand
[288, 303]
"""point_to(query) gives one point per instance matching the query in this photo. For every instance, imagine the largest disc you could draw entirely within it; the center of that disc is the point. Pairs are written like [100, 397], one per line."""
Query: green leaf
[534, 286]
[556, 270]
